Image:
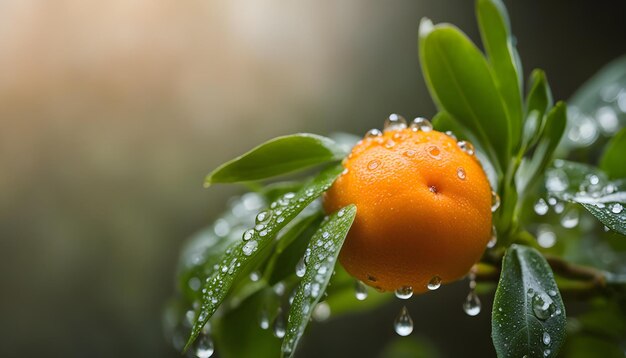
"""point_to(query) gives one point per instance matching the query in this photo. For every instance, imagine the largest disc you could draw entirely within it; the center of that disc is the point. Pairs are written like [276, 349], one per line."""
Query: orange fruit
[423, 208]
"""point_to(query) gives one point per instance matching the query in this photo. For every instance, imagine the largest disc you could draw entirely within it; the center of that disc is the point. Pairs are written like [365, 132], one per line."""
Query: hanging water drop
[472, 305]
[278, 327]
[421, 124]
[570, 218]
[495, 201]
[264, 319]
[541, 207]
[321, 312]
[360, 290]
[373, 133]
[204, 347]
[434, 283]
[465, 146]
[300, 267]
[404, 292]
[403, 324]
[395, 122]
[494, 238]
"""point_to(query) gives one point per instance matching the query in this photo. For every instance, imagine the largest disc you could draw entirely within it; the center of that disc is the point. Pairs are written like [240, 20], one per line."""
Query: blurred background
[112, 112]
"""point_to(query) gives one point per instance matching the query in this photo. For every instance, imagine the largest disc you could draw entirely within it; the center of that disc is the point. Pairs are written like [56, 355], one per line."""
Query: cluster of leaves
[244, 263]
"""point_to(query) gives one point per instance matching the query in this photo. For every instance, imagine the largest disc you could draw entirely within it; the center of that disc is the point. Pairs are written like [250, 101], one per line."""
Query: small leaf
[613, 162]
[278, 156]
[496, 35]
[538, 102]
[528, 315]
[586, 185]
[461, 83]
[320, 257]
[550, 137]
[241, 253]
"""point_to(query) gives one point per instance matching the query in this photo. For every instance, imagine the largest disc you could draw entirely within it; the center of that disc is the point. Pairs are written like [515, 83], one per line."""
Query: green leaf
[241, 253]
[586, 185]
[278, 156]
[461, 83]
[495, 31]
[613, 162]
[538, 102]
[320, 258]
[528, 315]
[530, 170]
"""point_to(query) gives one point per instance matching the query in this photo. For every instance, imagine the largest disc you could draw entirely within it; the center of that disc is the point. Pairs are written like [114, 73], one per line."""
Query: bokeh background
[112, 112]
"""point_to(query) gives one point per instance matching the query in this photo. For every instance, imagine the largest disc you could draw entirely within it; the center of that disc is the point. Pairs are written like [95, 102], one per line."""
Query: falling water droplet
[617, 208]
[541, 207]
[465, 146]
[300, 267]
[570, 218]
[204, 347]
[495, 201]
[403, 324]
[404, 292]
[278, 327]
[373, 133]
[434, 283]
[546, 338]
[373, 164]
[421, 124]
[472, 305]
[264, 320]
[360, 290]
[494, 238]
[460, 172]
[395, 122]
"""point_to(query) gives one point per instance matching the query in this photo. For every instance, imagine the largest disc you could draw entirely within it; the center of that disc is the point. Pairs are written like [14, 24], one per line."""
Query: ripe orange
[423, 208]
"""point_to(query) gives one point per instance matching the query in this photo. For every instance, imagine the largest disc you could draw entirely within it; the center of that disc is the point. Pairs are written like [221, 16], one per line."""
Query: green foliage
[480, 99]
[528, 315]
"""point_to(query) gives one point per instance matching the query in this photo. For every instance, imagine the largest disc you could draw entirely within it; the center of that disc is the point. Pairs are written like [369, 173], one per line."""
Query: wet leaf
[278, 156]
[538, 102]
[320, 257]
[528, 315]
[253, 243]
[461, 83]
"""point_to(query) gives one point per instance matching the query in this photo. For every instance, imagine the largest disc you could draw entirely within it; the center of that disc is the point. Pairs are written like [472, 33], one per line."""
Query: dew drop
[373, 164]
[300, 267]
[395, 122]
[360, 290]
[390, 144]
[494, 238]
[403, 324]
[465, 146]
[263, 216]
[434, 283]
[421, 124]
[409, 153]
[255, 276]
[434, 151]
[472, 305]
[278, 327]
[460, 172]
[204, 347]
[404, 292]
[541, 207]
[321, 312]
[495, 201]
[617, 208]
[451, 135]
[570, 218]
[373, 133]
[559, 207]
[341, 213]
[247, 235]
[546, 238]
[556, 180]
[546, 338]
[250, 247]
[542, 306]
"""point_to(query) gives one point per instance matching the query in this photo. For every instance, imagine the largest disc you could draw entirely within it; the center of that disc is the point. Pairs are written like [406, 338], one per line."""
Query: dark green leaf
[320, 258]
[528, 315]
[241, 253]
[531, 169]
[496, 35]
[613, 160]
[586, 185]
[461, 83]
[538, 102]
[278, 156]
